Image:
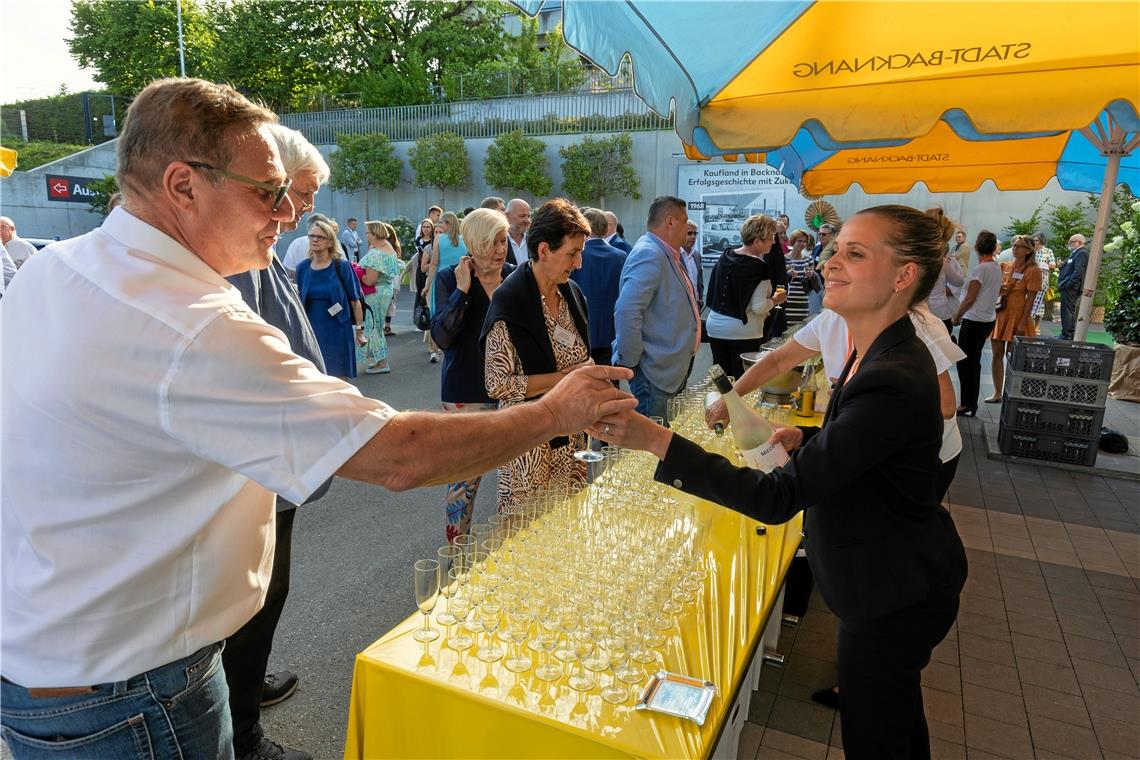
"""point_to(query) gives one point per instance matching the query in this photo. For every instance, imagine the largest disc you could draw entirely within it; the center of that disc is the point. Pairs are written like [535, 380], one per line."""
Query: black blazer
[877, 539]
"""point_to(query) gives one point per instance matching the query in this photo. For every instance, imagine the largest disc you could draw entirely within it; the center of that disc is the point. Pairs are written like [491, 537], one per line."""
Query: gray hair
[298, 154]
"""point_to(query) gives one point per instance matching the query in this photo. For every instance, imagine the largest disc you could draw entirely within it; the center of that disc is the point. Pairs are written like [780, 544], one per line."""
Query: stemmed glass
[460, 607]
[490, 616]
[426, 576]
[518, 628]
[546, 641]
[779, 289]
[615, 646]
[449, 556]
[582, 640]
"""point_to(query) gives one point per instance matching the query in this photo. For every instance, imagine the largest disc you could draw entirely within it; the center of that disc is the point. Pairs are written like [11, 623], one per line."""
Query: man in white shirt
[518, 220]
[138, 503]
[9, 268]
[691, 258]
[19, 249]
[350, 241]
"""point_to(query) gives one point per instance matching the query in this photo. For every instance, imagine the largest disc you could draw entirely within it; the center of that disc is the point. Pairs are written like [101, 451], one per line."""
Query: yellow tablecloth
[416, 700]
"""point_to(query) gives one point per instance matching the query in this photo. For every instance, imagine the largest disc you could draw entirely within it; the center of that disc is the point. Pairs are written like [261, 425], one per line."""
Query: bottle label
[766, 457]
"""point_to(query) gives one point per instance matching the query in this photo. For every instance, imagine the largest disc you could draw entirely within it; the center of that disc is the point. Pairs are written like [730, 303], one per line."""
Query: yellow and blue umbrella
[748, 76]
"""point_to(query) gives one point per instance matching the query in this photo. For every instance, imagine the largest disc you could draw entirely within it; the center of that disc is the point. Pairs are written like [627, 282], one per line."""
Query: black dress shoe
[826, 697]
[278, 687]
[967, 411]
[267, 750]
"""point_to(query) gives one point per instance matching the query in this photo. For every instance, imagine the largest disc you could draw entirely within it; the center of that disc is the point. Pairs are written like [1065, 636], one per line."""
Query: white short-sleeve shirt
[988, 276]
[827, 335]
[149, 417]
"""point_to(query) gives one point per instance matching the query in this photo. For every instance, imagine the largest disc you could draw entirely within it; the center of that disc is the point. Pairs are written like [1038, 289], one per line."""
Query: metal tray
[675, 694]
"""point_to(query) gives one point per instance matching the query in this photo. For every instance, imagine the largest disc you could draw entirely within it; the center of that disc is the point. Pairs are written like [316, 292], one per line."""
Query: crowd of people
[147, 522]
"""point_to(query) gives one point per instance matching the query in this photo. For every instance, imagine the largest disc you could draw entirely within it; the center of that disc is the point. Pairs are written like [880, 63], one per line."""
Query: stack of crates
[1053, 403]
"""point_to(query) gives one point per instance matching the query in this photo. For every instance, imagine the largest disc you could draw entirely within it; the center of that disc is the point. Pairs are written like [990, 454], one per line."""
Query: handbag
[1000, 305]
[421, 316]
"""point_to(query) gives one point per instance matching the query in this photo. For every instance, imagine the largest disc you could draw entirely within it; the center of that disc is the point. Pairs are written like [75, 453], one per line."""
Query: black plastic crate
[1062, 358]
[1056, 390]
[1049, 447]
[1044, 417]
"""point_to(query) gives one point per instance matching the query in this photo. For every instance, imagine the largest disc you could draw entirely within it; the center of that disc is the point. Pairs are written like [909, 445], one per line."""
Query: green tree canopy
[104, 189]
[594, 170]
[516, 163]
[286, 52]
[131, 44]
[440, 161]
[364, 162]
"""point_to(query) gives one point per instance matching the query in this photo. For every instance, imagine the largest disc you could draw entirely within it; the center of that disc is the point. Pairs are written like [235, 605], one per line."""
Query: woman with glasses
[332, 298]
[1021, 282]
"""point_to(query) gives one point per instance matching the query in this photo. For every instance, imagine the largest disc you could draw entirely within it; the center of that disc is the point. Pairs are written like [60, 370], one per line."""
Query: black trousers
[246, 655]
[972, 339]
[727, 353]
[880, 679]
[945, 477]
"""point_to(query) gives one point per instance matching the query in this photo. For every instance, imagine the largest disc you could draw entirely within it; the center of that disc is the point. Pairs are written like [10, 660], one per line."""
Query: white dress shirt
[138, 492]
[519, 249]
[297, 252]
[20, 250]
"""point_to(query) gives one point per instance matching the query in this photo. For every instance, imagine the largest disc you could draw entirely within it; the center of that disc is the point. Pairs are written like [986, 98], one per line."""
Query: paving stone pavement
[1044, 660]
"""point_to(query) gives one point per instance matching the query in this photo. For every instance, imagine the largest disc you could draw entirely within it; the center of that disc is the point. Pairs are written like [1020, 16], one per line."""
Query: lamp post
[181, 45]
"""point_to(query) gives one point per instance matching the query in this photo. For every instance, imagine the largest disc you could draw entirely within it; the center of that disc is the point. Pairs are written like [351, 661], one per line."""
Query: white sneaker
[434, 357]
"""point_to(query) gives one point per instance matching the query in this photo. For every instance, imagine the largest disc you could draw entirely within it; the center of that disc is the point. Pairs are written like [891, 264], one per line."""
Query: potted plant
[1122, 315]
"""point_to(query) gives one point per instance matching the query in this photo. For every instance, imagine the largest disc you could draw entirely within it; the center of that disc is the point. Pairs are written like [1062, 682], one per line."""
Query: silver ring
[607, 429]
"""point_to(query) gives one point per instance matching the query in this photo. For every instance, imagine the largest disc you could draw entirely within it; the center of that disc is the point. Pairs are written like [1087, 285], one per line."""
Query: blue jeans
[651, 400]
[177, 710]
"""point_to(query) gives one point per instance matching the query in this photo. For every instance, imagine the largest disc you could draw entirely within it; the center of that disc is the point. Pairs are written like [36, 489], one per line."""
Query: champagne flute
[548, 622]
[490, 615]
[425, 574]
[448, 557]
[460, 608]
[518, 628]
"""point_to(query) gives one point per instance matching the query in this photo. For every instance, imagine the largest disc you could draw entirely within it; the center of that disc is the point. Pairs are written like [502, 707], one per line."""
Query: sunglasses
[279, 191]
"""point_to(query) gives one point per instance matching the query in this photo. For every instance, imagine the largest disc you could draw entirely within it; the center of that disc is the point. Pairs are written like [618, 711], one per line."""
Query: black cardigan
[734, 279]
[878, 540]
[456, 328]
[518, 303]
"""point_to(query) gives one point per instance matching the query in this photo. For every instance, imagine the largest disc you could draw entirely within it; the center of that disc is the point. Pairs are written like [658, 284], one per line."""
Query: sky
[34, 60]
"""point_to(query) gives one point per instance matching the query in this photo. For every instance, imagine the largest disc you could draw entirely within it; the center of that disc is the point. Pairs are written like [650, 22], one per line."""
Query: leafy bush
[516, 162]
[33, 154]
[1122, 314]
[406, 231]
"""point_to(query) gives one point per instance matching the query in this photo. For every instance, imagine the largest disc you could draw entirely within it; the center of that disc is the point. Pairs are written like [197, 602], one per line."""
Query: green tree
[1026, 226]
[104, 189]
[1122, 315]
[364, 162]
[440, 161]
[131, 44]
[594, 170]
[516, 162]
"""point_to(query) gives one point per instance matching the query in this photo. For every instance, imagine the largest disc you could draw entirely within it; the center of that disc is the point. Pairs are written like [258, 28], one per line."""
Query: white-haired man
[137, 522]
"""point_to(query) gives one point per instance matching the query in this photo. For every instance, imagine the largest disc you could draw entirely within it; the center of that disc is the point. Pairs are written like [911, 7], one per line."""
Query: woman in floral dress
[381, 269]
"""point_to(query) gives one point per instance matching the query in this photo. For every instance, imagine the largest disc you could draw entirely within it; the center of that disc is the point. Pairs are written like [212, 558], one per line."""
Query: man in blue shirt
[599, 278]
[656, 317]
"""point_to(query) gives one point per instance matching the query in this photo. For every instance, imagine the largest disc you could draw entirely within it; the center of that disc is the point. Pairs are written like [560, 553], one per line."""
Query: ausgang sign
[70, 189]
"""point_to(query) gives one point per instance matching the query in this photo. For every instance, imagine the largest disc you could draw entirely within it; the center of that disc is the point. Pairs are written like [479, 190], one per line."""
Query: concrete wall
[23, 196]
[656, 156]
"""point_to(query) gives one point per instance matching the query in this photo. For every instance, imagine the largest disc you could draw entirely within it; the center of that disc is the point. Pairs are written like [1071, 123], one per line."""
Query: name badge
[563, 336]
[335, 309]
[1018, 275]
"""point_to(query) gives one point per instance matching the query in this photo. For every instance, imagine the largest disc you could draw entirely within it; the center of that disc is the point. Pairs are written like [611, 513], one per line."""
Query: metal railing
[615, 111]
[570, 77]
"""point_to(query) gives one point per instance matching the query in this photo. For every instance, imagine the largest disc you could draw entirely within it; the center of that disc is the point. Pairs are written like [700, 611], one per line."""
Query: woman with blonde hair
[463, 296]
[741, 295]
[381, 269]
[333, 300]
[1021, 281]
[446, 250]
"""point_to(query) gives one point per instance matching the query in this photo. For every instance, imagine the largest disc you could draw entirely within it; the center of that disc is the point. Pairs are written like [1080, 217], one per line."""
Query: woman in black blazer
[885, 553]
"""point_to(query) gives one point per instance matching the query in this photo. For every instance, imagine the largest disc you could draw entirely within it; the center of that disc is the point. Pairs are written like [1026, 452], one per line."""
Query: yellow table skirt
[415, 700]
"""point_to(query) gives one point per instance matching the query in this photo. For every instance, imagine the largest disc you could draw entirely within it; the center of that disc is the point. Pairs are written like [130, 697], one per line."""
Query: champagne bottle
[749, 429]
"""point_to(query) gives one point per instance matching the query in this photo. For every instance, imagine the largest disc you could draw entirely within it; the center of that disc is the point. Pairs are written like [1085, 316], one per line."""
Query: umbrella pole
[1096, 250]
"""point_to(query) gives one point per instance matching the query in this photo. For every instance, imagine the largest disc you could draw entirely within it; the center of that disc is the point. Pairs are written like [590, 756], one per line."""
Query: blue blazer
[599, 278]
[654, 321]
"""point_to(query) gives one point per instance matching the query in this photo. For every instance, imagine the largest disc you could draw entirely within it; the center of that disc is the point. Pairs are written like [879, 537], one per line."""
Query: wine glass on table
[425, 574]
[449, 557]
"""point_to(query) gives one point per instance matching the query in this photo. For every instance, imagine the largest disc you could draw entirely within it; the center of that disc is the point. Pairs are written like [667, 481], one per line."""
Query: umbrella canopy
[746, 76]
[946, 163]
